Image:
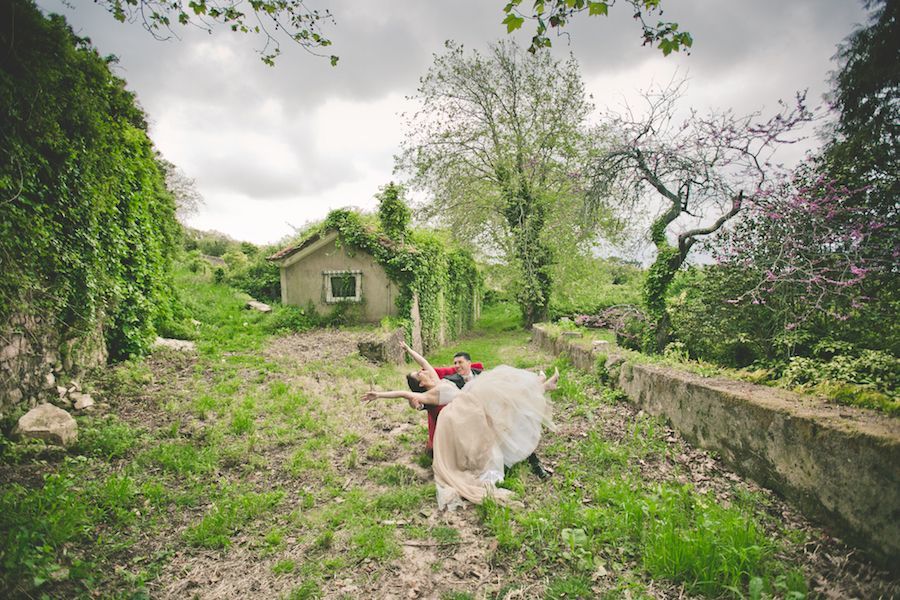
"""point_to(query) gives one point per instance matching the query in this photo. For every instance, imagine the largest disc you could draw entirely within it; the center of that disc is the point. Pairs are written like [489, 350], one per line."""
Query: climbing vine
[87, 228]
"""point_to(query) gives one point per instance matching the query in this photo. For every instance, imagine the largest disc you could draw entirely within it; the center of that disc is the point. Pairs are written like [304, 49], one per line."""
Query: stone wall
[839, 465]
[33, 357]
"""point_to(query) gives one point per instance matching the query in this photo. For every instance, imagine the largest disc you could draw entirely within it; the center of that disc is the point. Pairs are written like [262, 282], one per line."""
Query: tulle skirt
[496, 420]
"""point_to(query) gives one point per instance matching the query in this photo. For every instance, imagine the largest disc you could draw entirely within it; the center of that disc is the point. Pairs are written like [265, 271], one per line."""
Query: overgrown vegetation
[234, 448]
[87, 228]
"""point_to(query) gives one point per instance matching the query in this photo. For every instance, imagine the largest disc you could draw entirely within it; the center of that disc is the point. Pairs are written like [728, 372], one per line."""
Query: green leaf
[598, 8]
[513, 22]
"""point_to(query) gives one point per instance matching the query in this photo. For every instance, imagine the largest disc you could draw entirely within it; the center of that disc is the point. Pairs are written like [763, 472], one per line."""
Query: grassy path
[251, 470]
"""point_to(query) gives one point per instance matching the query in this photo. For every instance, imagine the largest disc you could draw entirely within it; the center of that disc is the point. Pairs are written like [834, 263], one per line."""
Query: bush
[258, 277]
[285, 318]
[871, 368]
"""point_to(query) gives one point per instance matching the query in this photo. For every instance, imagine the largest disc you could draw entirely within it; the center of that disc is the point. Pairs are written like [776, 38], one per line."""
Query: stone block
[49, 423]
[260, 306]
[383, 348]
[180, 345]
[82, 401]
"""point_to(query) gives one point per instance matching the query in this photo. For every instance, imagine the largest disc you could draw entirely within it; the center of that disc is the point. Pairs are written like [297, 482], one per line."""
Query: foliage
[587, 285]
[497, 142]
[88, 229]
[558, 13]
[210, 243]
[258, 277]
[393, 213]
[289, 17]
[816, 250]
[706, 164]
[806, 283]
[865, 150]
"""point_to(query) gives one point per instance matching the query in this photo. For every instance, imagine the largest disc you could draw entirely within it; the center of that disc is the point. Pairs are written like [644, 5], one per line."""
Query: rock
[49, 423]
[50, 380]
[181, 345]
[14, 396]
[61, 391]
[82, 401]
[383, 348]
[254, 305]
[74, 387]
[572, 334]
[12, 349]
[601, 345]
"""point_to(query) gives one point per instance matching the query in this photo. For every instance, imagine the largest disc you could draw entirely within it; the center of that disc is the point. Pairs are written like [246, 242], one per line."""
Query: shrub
[257, 277]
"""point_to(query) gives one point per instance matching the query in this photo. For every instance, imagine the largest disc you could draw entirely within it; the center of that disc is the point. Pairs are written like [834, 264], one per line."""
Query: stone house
[322, 272]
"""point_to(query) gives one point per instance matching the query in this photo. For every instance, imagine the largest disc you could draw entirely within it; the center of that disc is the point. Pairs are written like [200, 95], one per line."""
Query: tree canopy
[497, 143]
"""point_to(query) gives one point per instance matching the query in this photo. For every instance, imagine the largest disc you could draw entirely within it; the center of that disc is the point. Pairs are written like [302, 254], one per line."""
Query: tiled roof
[285, 252]
[385, 242]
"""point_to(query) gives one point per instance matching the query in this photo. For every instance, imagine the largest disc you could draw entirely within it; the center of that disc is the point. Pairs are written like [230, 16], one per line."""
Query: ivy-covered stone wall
[87, 228]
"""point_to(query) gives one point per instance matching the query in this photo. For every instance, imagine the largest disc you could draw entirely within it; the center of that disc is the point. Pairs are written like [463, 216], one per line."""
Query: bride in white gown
[494, 421]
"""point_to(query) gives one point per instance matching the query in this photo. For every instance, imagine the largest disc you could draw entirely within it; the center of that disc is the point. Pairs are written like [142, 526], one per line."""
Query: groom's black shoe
[537, 468]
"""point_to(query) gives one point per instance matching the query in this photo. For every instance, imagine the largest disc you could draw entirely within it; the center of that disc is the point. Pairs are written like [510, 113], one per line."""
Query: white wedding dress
[495, 420]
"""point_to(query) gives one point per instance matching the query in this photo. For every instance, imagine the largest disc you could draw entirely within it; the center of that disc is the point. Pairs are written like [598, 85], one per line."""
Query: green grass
[106, 437]
[393, 475]
[601, 511]
[497, 339]
[181, 458]
[228, 515]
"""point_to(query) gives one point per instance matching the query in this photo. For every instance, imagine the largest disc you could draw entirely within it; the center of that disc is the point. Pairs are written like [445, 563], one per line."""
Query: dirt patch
[315, 345]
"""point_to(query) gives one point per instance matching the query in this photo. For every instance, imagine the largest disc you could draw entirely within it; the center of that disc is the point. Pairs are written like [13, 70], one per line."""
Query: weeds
[226, 517]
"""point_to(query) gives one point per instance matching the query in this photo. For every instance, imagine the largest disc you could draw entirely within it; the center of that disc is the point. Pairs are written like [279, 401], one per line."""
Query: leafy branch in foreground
[558, 13]
[269, 18]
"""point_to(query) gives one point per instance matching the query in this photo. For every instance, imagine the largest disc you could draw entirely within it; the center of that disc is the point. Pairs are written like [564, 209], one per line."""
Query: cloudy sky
[275, 147]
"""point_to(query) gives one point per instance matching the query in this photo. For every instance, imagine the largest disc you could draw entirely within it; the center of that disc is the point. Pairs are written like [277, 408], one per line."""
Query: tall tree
[495, 141]
[864, 153]
[704, 168]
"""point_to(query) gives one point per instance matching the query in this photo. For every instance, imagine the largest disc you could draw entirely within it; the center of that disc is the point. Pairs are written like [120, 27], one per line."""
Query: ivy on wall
[446, 282]
[87, 228]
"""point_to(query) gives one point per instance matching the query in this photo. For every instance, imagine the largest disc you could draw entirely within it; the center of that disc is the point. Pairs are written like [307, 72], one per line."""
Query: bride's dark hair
[413, 382]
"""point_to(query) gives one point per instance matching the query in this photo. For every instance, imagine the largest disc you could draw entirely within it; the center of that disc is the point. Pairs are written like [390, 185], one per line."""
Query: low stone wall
[839, 465]
[33, 356]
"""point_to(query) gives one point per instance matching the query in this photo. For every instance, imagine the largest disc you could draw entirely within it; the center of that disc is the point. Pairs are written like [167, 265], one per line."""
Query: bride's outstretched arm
[422, 362]
[416, 399]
